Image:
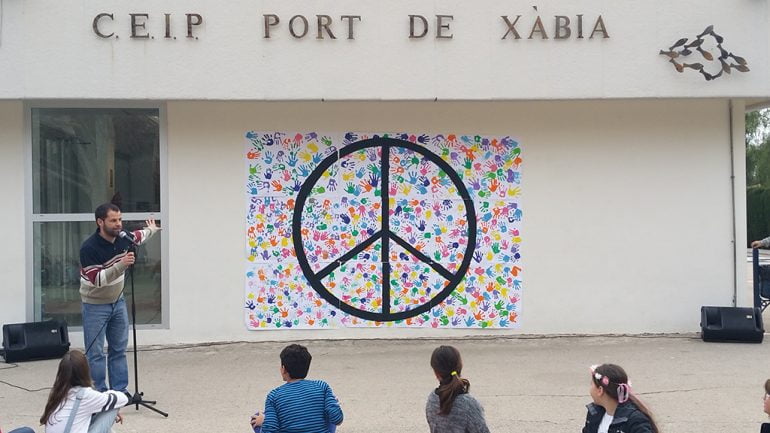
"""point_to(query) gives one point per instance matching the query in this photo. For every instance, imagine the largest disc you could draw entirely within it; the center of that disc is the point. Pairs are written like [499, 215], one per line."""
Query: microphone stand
[137, 399]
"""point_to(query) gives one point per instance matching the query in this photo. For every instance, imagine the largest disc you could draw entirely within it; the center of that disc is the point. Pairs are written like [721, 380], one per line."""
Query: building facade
[627, 117]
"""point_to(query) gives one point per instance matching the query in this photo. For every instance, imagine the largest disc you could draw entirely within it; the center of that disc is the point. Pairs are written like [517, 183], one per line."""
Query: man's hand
[151, 224]
[128, 259]
[257, 419]
[119, 418]
[755, 244]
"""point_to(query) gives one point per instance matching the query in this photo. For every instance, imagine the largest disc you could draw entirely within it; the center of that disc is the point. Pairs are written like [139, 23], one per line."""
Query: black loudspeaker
[731, 324]
[38, 340]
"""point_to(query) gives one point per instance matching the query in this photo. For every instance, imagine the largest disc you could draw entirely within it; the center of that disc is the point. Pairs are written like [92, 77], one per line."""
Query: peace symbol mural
[382, 230]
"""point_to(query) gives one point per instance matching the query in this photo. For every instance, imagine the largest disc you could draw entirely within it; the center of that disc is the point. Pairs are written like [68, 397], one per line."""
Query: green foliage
[757, 123]
[757, 213]
[758, 174]
[758, 148]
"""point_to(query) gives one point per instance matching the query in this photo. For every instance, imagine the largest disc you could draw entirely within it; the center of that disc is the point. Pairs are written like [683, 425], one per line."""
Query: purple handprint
[267, 139]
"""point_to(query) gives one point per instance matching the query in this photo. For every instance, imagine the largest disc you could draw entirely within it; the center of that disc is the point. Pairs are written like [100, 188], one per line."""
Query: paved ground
[525, 384]
[537, 385]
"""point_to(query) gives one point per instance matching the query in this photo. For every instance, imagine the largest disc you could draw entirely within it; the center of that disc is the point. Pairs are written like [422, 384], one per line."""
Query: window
[81, 158]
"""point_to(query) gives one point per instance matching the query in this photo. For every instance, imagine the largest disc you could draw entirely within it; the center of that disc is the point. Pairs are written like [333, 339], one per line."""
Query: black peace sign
[384, 234]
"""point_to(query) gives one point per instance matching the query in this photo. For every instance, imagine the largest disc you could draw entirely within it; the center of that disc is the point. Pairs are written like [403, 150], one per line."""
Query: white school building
[362, 169]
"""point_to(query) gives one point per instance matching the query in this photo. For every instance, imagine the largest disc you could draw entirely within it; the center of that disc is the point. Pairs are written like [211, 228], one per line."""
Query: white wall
[13, 289]
[49, 50]
[628, 219]
[627, 209]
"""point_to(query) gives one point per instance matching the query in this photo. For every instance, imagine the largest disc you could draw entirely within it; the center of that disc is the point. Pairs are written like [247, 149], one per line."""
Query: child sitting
[299, 405]
[74, 406]
[615, 408]
[450, 408]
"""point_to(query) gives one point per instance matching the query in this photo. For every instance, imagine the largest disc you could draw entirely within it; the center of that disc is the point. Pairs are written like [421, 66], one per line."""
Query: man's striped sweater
[101, 272]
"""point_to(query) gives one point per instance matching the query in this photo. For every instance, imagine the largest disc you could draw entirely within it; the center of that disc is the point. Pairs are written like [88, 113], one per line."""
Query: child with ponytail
[615, 408]
[450, 408]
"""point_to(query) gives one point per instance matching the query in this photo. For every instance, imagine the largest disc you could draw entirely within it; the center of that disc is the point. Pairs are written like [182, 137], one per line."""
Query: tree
[758, 148]
[758, 174]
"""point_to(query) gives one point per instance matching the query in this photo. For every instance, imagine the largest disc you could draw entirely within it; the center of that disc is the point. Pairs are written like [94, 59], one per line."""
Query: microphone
[130, 236]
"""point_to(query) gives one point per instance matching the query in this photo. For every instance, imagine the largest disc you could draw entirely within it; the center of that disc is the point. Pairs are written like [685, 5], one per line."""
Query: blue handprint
[374, 179]
[412, 177]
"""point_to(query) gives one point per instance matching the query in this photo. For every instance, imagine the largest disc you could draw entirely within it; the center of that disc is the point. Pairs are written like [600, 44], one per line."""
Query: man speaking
[104, 258]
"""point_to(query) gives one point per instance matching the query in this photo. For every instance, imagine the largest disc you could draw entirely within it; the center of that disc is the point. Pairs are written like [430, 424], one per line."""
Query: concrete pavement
[525, 384]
